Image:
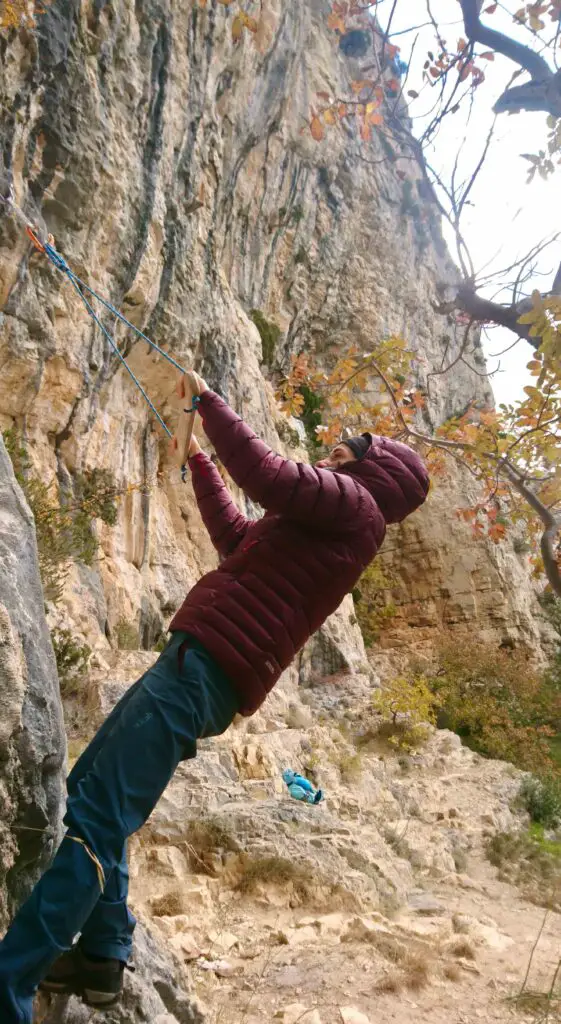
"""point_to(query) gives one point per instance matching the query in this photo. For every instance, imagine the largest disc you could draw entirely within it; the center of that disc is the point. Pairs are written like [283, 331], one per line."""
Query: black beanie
[359, 445]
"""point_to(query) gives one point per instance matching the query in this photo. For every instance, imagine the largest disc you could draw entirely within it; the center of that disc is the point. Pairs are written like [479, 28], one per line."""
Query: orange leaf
[491, 9]
[251, 24]
[434, 72]
[364, 83]
[316, 129]
[336, 23]
[365, 132]
[376, 119]
[488, 55]
[237, 28]
[342, 110]
[330, 117]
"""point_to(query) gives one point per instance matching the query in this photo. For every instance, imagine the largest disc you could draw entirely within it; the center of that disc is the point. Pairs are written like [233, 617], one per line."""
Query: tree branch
[484, 310]
[543, 92]
[522, 55]
[552, 527]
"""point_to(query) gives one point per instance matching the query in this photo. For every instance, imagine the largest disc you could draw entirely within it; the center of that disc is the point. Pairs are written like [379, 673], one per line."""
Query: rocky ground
[377, 905]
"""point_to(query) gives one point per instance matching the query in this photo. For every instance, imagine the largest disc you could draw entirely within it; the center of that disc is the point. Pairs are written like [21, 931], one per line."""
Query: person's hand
[194, 446]
[199, 383]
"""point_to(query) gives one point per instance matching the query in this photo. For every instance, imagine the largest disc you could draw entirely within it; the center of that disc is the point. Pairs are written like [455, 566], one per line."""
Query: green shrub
[126, 635]
[542, 800]
[63, 521]
[500, 706]
[72, 659]
[530, 863]
[373, 608]
[311, 416]
[269, 333]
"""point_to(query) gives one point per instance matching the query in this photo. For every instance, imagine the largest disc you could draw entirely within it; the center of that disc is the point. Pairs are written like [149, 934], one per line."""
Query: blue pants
[112, 790]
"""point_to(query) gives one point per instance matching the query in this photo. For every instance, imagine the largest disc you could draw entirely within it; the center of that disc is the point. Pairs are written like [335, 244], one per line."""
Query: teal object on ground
[301, 788]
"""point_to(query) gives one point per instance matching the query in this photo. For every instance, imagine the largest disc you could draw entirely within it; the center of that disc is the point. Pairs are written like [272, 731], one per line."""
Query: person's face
[338, 456]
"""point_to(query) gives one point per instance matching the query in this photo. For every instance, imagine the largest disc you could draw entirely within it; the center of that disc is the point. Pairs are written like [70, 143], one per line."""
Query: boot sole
[58, 987]
[88, 996]
[99, 1000]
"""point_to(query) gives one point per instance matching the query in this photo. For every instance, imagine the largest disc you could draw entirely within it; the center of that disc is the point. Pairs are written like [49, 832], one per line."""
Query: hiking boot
[98, 981]
[63, 975]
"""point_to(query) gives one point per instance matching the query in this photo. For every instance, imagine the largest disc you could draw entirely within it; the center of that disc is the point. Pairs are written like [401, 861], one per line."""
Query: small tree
[410, 705]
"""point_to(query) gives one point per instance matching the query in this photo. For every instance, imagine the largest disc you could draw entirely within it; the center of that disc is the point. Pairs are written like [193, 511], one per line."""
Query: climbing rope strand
[118, 353]
[48, 250]
[124, 320]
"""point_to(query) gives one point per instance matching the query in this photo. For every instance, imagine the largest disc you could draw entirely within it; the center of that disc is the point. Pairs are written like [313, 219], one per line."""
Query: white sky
[508, 216]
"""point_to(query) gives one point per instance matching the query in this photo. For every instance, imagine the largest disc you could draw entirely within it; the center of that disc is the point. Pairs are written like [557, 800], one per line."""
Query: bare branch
[522, 55]
[484, 310]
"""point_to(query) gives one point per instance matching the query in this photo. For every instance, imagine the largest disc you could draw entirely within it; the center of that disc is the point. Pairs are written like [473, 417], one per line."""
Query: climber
[238, 629]
[301, 788]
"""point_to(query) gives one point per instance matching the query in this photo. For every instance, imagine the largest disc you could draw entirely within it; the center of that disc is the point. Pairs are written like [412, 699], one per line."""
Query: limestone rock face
[172, 168]
[32, 741]
[33, 763]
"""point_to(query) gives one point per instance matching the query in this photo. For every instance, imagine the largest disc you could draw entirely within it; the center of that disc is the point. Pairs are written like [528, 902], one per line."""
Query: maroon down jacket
[282, 575]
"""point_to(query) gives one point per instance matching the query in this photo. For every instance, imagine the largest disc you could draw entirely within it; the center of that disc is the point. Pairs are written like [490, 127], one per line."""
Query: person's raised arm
[225, 523]
[280, 485]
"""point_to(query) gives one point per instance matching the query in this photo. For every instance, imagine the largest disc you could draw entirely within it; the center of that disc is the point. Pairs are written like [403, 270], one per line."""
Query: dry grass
[205, 838]
[303, 883]
[350, 766]
[462, 949]
[414, 974]
[542, 1006]
[390, 985]
[168, 905]
[277, 871]
[388, 947]
[452, 972]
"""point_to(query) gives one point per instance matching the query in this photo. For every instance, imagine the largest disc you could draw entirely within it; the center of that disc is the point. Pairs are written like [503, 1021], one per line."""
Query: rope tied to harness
[47, 248]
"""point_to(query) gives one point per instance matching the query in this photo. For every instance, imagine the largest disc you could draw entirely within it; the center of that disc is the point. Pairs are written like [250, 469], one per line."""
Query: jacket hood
[395, 476]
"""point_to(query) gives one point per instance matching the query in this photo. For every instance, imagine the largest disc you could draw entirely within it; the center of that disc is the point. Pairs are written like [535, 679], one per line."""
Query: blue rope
[60, 263]
[120, 316]
[80, 287]
[115, 348]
